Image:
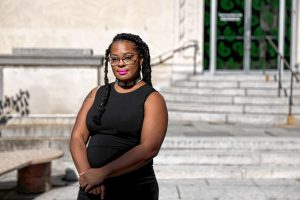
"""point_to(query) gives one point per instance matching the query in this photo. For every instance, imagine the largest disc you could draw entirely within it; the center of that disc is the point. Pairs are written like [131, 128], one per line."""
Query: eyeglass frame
[123, 59]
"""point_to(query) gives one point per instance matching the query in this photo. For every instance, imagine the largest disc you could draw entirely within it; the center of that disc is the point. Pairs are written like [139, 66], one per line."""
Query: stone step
[238, 77]
[227, 171]
[36, 142]
[266, 119]
[232, 84]
[262, 119]
[271, 109]
[238, 80]
[196, 116]
[203, 91]
[200, 157]
[205, 108]
[197, 84]
[245, 143]
[226, 108]
[198, 99]
[271, 92]
[217, 157]
[273, 85]
[231, 99]
[215, 143]
[227, 91]
[48, 119]
[38, 130]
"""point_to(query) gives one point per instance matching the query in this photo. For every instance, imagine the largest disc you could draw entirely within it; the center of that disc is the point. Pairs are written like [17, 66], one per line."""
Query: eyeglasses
[127, 59]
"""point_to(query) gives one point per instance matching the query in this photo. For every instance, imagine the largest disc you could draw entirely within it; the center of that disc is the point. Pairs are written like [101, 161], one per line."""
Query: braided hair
[142, 49]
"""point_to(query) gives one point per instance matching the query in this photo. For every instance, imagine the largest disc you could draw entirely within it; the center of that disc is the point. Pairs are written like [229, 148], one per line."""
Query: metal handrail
[170, 54]
[293, 74]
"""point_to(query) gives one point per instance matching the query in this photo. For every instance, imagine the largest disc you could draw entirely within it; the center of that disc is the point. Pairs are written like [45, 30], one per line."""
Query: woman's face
[125, 60]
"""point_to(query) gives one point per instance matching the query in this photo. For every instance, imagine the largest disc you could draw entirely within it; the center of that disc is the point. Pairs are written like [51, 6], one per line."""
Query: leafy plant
[17, 104]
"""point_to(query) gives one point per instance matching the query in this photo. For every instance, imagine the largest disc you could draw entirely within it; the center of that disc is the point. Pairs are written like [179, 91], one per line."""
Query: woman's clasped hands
[91, 181]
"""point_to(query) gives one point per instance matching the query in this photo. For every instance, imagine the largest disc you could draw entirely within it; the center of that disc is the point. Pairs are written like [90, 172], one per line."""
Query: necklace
[128, 84]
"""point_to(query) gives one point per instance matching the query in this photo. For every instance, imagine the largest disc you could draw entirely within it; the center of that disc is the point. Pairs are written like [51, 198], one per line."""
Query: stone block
[35, 178]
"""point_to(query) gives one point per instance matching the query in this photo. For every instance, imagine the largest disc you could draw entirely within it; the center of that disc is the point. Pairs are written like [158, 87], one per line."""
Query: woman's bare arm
[152, 135]
[80, 135]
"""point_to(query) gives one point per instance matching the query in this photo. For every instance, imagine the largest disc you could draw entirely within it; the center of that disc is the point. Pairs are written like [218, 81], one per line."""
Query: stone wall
[78, 24]
[189, 19]
[57, 79]
[84, 23]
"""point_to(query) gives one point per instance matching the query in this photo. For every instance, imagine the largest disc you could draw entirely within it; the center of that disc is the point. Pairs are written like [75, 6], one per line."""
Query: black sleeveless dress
[120, 131]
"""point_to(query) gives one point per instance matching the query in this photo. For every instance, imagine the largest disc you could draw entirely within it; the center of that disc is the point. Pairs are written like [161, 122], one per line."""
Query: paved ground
[195, 189]
[208, 189]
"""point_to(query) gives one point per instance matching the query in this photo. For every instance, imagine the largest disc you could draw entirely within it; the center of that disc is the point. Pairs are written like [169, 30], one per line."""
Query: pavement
[207, 189]
[191, 189]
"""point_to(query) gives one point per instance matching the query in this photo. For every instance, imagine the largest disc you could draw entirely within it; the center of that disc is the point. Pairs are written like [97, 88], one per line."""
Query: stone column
[281, 34]
[189, 25]
[213, 36]
[247, 35]
[1, 83]
[297, 57]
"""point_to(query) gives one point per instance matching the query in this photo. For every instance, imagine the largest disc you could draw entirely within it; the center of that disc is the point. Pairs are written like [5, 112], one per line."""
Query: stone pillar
[293, 34]
[1, 83]
[297, 57]
[213, 36]
[281, 34]
[189, 25]
[247, 35]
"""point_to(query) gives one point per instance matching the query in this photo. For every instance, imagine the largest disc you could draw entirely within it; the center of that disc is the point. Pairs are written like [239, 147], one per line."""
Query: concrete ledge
[52, 52]
[34, 119]
[35, 60]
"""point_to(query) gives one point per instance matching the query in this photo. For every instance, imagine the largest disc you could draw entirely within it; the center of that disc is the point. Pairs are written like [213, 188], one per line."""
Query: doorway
[230, 34]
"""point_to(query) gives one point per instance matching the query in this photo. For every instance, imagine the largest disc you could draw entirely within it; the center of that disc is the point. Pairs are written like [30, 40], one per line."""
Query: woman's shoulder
[94, 91]
[148, 87]
[154, 95]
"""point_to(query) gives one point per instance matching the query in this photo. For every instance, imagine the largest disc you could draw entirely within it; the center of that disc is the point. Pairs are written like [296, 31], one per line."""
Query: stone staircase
[231, 98]
[228, 157]
[190, 150]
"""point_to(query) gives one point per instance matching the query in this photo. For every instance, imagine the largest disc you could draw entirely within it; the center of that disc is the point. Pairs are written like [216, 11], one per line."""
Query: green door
[230, 34]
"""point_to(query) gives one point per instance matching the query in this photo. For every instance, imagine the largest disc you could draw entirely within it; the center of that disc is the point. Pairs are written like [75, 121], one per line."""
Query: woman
[125, 123]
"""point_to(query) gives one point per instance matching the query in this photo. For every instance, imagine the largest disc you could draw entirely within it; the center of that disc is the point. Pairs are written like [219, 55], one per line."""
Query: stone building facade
[88, 24]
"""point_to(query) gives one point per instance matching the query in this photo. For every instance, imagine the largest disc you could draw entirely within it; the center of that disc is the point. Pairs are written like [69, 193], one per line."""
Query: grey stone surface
[186, 181]
[206, 189]
[256, 77]
[257, 119]
[204, 91]
[52, 52]
[194, 116]
[55, 61]
[205, 107]
[199, 99]
[234, 98]
[1, 83]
